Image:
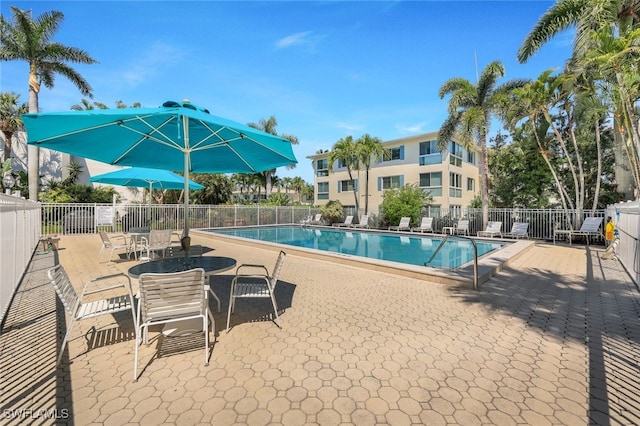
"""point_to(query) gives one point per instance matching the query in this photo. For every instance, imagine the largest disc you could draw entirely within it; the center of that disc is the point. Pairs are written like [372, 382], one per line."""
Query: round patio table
[210, 264]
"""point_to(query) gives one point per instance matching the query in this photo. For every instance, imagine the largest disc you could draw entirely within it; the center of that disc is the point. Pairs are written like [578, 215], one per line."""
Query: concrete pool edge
[488, 265]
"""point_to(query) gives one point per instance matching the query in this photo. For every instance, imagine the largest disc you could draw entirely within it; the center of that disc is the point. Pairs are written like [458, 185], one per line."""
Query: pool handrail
[475, 255]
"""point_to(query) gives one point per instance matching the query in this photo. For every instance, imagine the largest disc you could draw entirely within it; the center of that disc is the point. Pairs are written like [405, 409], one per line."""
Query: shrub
[406, 201]
[332, 212]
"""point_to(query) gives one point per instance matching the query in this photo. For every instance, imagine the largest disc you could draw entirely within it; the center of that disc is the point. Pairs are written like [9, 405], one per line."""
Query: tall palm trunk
[33, 151]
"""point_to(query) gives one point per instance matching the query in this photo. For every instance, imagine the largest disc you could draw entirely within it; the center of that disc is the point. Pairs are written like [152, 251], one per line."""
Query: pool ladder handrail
[475, 256]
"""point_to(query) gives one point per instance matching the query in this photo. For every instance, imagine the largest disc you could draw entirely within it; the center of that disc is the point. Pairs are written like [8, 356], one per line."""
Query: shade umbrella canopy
[142, 177]
[176, 136]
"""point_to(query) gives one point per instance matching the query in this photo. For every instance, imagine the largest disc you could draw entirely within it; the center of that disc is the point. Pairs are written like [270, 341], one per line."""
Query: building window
[455, 185]
[396, 153]
[389, 182]
[455, 154]
[341, 163]
[429, 153]
[347, 185]
[471, 184]
[323, 190]
[471, 157]
[432, 182]
[322, 168]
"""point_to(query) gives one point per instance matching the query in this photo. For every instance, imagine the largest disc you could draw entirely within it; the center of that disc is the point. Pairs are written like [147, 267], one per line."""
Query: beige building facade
[451, 177]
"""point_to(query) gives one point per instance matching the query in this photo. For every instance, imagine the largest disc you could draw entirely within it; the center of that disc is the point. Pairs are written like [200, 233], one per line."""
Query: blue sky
[325, 70]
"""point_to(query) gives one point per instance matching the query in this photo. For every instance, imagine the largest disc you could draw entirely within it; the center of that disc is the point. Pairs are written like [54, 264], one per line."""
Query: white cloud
[297, 39]
[414, 128]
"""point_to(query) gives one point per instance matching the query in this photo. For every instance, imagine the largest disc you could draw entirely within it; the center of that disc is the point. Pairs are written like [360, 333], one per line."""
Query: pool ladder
[475, 256]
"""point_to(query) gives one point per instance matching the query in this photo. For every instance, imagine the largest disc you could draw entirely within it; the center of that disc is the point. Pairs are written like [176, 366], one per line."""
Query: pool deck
[553, 338]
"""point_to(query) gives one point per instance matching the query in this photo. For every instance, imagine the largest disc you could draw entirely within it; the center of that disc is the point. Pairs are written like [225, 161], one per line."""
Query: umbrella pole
[185, 127]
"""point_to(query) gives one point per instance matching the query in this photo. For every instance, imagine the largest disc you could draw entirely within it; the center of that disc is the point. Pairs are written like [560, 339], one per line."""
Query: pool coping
[488, 265]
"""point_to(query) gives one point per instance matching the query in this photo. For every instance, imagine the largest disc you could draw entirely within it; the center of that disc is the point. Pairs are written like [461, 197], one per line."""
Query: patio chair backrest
[404, 222]
[172, 295]
[463, 225]
[591, 224]
[348, 220]
[277, 269]
[106, 241]
[494, 226]
[519, 228]
[64, 289]
[426, 223]
[161, 239]
[364, 219]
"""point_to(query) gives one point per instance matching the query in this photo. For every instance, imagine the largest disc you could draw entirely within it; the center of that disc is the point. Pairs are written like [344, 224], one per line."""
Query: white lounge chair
[79, 309]
[590, 228]
[493, 229]
[518, 230]
[404, 225]
[107, 244]
[426, 225]
[461, 227]
[317, 220]
[364, 222]
[177, 300]
[347, 222]
[253, 281]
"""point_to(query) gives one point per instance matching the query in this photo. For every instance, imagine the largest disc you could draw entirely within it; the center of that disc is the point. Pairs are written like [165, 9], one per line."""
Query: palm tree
[28, 39]
[86, 105]
[345, 151]
[269, 126]
[471, 108]
[369, 148]
[298, 184]
[10, 118]
[586, 16]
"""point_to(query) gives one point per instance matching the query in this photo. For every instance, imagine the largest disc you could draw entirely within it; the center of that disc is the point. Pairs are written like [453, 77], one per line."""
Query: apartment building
[451, 177]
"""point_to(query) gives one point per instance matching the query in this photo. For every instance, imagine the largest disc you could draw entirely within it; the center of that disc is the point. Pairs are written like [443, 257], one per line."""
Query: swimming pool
[393, 247]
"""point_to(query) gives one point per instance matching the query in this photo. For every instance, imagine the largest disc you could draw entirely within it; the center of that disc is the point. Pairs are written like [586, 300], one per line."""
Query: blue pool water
[413, 250]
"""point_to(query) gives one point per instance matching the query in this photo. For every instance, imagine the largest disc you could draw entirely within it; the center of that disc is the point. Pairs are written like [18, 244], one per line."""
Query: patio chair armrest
[249, 266]
[105, 277]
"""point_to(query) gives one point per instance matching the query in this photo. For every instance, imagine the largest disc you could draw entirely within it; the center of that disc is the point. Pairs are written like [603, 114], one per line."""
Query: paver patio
[553, 339]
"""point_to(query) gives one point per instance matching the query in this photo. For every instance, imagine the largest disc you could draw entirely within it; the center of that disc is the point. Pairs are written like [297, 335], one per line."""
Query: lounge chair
[307, 220]
[493, 229]
[364, 222]
[317, 220]
[590, 228]
[347, 222]
[426, 225]
[404, 225]
[462, 227]
[518, 230]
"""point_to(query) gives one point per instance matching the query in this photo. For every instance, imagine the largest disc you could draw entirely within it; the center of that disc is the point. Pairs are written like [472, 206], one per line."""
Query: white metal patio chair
[158, 240]
[404, 225]
[79, 310]
[426, 225]
[179, 300]
[254, 281]
[493, 229]
[119, 242]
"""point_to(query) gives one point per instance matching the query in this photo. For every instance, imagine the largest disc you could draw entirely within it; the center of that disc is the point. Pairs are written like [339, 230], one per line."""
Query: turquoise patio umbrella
[176, 136]
[142, 177]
